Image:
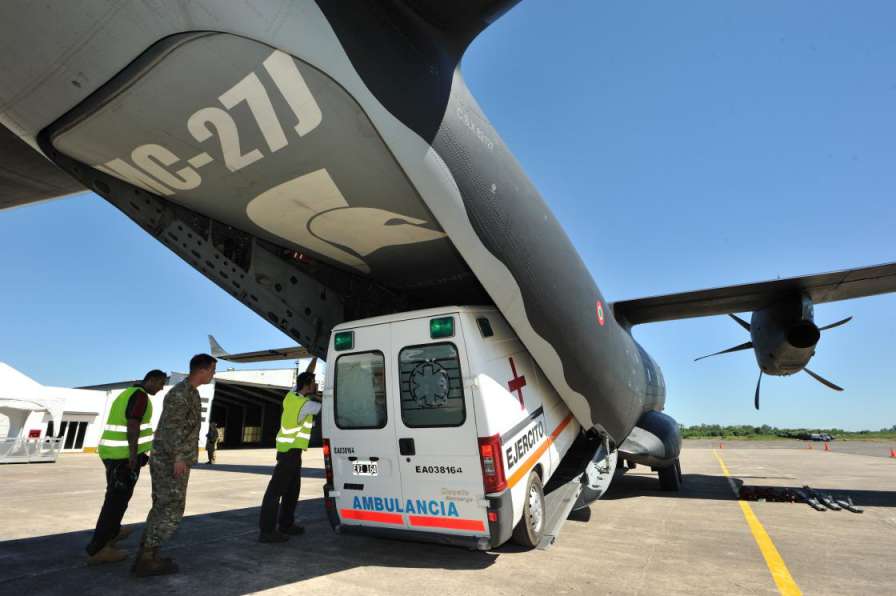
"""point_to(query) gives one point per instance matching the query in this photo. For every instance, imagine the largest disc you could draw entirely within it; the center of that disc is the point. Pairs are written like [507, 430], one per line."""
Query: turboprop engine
[783, 336]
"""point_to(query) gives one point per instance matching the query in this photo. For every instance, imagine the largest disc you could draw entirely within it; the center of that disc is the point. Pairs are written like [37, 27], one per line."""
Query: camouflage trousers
[169, 498]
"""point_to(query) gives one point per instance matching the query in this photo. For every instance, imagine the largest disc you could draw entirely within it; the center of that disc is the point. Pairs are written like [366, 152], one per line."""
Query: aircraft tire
[530, 529]
[670, 477]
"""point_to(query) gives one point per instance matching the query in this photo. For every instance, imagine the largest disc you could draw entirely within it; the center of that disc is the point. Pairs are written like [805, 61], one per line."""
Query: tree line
[748, 430]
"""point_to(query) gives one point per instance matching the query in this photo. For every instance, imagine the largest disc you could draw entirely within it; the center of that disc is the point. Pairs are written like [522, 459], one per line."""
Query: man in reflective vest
[124, 445]
[299, 409]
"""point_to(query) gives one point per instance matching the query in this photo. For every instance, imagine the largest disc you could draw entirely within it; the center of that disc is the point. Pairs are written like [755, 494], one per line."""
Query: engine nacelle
[784, 336]
[654, 442]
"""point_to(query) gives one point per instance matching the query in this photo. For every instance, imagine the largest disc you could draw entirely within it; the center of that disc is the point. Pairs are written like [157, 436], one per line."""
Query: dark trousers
[282, 492]
[120, 482]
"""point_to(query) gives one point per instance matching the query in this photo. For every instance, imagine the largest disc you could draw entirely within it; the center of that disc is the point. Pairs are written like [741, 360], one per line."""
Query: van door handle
[406, 447]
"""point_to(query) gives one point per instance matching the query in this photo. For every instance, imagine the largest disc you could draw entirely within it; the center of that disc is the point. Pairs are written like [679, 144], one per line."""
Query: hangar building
[244, 404]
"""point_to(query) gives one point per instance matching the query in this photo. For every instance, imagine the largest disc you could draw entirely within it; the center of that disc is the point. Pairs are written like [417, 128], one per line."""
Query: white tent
[21, 397]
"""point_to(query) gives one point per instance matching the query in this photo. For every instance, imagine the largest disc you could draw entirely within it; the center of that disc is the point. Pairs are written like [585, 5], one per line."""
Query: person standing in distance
[278, 507]
[175, 449]
[211, 441]
[123, 448]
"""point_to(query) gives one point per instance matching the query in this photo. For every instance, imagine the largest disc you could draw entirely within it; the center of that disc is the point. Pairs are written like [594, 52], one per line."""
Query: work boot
[107, 554]
[123, 533]
[150, 563]
[272, 537]
[293, 530]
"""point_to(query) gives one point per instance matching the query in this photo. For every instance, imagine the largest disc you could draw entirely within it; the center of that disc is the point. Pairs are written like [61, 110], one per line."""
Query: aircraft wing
[26, 176]
[293, 353]
[824, 287]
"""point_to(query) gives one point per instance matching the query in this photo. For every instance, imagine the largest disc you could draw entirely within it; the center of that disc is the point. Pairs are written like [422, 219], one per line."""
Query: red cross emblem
[517, 383]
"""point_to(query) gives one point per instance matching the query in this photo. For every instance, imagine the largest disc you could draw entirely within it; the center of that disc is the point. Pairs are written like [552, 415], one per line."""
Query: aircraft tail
[215, 347]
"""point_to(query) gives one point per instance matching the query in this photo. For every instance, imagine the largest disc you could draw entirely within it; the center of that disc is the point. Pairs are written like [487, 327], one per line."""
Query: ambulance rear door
[363, 440]
[437, 437]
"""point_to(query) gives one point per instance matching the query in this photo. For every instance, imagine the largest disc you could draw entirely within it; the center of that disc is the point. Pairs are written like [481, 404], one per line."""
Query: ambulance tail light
[328, 463]
[492, 464]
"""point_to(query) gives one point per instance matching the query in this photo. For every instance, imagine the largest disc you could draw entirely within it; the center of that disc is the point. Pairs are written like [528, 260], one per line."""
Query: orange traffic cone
[892, 452]
[826, 446]
[721, 445]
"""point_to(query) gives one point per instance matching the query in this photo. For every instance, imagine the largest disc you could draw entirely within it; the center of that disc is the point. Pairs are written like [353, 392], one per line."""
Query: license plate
[364, 468]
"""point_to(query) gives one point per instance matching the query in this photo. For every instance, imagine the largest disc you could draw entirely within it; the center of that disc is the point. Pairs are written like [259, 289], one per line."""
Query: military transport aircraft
[324, 161]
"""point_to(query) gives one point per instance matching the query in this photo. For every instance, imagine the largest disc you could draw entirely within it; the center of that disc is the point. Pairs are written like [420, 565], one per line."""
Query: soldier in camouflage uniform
[175, 448]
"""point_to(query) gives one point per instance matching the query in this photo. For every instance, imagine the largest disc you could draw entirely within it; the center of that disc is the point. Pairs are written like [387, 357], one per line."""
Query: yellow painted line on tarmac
[776, 566]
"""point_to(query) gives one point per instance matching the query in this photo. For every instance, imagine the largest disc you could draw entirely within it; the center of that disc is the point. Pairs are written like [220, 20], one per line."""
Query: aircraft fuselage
[321, 162]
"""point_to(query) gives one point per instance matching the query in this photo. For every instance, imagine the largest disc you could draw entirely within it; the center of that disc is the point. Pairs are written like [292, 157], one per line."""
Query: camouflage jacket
[177, 436]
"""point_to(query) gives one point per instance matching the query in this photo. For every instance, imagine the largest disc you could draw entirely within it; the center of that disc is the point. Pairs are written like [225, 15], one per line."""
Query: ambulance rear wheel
[529, 530]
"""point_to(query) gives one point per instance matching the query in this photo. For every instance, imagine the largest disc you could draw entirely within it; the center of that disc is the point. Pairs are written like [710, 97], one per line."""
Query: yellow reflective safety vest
[114, 440]
[294, 434]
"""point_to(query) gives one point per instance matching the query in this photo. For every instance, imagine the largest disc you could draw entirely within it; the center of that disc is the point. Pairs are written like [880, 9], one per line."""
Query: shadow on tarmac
[307, 472]
[702, 486]
[694, 486]
[218, 553]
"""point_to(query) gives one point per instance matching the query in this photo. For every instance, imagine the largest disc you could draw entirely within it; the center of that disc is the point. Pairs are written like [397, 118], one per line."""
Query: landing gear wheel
[529, 531]
[670, 477]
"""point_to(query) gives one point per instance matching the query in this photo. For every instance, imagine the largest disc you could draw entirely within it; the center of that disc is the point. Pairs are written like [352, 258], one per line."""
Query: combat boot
[107, 554]
[150, 563]
[123, 533]
[139, 556]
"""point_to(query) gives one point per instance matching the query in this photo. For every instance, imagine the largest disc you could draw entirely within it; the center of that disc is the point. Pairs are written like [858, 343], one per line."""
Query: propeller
[818, 377]
[740, 322]
[822, 380]
[744, 346]
[748, 345]
[756, 399]
[837, 324]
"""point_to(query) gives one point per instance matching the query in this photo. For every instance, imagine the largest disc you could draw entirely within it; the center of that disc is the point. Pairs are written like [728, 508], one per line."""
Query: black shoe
[293, 530]
[271, 537]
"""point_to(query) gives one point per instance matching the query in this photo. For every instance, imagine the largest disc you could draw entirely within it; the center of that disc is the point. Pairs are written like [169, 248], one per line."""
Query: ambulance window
[360, 391]
[432, 393]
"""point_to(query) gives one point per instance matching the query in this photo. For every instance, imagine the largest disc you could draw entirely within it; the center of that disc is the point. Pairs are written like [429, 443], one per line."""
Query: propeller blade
[823, 381]
[756, 399]
[745, 346]
[837, 324]
[740, 322]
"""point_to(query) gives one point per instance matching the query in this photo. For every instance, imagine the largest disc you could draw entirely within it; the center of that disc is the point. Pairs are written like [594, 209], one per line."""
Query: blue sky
[681, 145]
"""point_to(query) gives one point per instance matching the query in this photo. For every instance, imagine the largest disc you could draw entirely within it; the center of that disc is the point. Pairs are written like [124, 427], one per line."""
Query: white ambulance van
[439, 426]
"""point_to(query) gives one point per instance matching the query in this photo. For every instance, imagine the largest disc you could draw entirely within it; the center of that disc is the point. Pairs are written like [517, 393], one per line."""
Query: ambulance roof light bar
[344, 340]
[441, 327]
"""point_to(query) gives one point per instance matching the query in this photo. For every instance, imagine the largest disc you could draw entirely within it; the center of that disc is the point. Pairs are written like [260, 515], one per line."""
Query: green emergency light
[443, 327]
[344, 340]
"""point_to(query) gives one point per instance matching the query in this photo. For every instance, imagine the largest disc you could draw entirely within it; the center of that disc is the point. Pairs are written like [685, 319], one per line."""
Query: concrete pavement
[639, 540]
